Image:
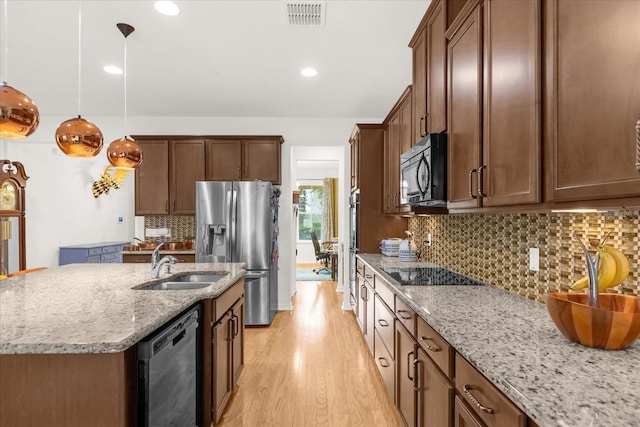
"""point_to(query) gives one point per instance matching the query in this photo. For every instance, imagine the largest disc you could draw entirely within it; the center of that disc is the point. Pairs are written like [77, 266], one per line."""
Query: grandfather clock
[13, 181]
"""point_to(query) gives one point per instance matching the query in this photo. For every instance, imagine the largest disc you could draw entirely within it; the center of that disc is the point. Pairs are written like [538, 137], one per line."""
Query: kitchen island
[68, 338]
[514, 343]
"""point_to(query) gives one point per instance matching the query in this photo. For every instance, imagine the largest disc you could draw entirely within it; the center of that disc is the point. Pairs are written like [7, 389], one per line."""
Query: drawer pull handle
[481, 181]
[383, 323]
[409, 365]
[471, 172]
[368, 276]
[400, 314]
[384, 362]
[467, 390]
[429, 347]
[638, 145]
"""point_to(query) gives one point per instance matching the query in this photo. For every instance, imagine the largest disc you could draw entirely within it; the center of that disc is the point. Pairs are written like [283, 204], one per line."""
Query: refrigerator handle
[232, 224]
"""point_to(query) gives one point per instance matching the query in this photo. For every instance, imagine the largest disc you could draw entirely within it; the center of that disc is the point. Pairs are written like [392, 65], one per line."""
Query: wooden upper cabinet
[187, 167]
[261, 160]
[245, 159]
[494, 104]
[429, 72]
[398, 134]
[464, 124]
[436, 120]
[592, 75]
[224, 160]
[419, 46]
[165, 181]
[511, 171]
[152, 178]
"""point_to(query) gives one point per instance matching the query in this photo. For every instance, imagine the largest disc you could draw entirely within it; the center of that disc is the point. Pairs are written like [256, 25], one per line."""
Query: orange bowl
[612, 326]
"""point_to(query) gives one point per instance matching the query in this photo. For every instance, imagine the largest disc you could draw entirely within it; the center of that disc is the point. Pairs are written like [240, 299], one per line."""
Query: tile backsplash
[494, 248]
[181, 226]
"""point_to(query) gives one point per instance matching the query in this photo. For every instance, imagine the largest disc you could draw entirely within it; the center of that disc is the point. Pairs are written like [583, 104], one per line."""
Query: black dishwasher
[168, 374]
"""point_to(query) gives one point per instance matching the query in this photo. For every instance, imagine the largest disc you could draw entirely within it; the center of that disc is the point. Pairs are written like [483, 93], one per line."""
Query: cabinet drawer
[111, 257]
[225, 301]
[94, 258]
[385, 293]
[385, 364]
[360, 267]
[406, 316]
[436, 347]
[384, 324]
[111, 249]
[488, 403]
[95, 251]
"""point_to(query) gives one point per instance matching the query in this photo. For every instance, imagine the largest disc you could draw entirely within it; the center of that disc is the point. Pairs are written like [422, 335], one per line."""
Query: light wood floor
[311, 367]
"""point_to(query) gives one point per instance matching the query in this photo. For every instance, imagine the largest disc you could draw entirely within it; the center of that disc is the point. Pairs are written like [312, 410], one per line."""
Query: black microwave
[423, 169]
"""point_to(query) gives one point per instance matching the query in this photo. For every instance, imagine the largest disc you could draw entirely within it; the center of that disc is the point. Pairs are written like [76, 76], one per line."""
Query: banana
[607, 270]
[622, 265]
[612, 270]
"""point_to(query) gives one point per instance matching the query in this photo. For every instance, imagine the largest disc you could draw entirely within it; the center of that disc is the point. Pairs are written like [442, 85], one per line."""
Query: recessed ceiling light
[112, 69]
[309, 72]
[168, 8]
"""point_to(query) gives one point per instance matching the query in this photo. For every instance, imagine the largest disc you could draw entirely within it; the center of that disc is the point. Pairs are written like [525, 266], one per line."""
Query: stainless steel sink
[184, 282]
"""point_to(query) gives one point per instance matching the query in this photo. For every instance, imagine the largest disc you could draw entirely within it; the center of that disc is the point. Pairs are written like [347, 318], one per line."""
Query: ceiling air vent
[305, 14]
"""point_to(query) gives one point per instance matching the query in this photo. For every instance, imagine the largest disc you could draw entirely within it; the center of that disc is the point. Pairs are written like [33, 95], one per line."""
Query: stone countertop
[92, 308]
[514, 343]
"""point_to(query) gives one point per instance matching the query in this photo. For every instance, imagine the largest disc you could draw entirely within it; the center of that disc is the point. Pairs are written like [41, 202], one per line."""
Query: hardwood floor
[311, 367]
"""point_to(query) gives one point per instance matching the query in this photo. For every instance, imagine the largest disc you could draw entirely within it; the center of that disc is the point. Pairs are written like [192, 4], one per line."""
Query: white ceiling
[216, 58]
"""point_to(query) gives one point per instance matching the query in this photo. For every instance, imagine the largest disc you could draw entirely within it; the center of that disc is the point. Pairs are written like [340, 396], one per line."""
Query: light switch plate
[534, 259]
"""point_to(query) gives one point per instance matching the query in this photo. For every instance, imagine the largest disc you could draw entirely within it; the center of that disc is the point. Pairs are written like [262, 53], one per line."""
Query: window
[310, 211]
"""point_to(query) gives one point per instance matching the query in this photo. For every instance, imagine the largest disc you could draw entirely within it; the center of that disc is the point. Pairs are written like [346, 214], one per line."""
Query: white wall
[60, 209]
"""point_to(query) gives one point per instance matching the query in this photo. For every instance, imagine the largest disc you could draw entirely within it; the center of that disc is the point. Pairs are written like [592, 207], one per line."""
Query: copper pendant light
[125, 152]
[19, 116]
[78, 137]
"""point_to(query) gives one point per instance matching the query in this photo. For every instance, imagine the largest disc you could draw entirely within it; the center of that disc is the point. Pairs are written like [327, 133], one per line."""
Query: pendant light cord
[5, 43]
[79, 59]
[126, 128]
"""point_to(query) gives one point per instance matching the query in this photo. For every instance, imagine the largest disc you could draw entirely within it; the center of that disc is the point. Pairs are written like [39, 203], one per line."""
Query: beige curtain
[330, 213]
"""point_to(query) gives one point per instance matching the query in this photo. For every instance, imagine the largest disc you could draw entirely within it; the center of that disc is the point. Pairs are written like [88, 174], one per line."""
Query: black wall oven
[423, 169]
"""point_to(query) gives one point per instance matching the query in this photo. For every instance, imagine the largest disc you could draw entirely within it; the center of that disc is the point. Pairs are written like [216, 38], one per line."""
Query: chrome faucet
[167, 259]
[155, 255]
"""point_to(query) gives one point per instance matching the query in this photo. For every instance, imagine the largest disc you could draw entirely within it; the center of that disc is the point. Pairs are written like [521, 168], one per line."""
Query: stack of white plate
[407, 251]
[390, 247]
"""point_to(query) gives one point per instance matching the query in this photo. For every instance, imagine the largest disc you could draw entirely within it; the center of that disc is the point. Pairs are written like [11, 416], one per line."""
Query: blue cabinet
[107, 252]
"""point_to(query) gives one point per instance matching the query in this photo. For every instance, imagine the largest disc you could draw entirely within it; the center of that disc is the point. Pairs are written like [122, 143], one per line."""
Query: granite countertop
[92, 308]
[514, 343]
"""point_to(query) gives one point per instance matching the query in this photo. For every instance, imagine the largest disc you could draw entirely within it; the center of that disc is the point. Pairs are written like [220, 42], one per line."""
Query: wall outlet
[428, 241]
[120, 219]
[534, 259]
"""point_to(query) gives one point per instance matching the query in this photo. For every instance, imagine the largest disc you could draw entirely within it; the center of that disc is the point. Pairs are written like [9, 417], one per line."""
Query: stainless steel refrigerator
[237, 222]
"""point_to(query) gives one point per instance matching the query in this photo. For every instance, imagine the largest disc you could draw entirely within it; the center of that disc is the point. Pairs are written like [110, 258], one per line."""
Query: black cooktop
[428, 276]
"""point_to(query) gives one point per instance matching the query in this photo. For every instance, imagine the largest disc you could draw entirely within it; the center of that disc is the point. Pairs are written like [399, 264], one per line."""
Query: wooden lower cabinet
[463, 417]
[484, 399]
[405, 375]
[386, 364]
[68, 390]
[227, 350]
[434, 393]
[146, 258]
